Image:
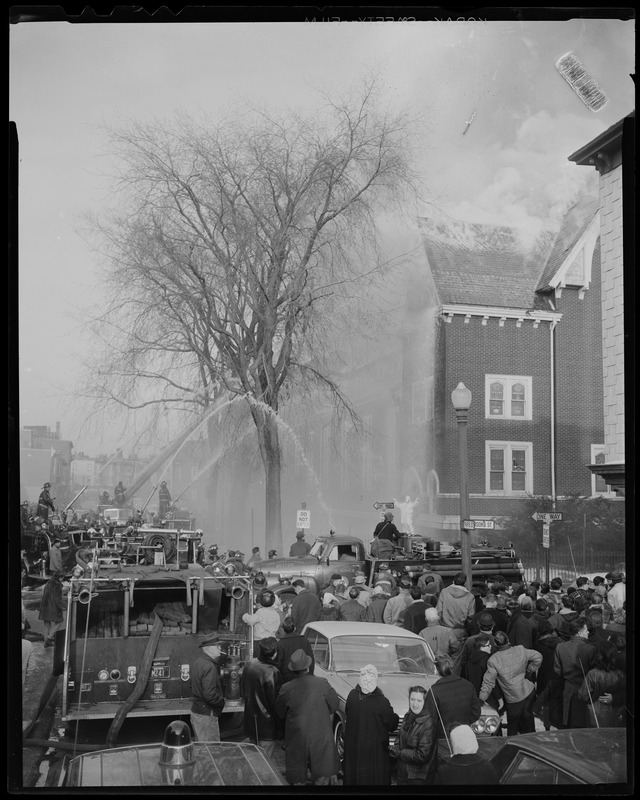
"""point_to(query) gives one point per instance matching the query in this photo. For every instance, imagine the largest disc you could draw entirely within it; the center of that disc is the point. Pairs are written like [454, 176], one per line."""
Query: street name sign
[384, 506]
[478, 524]
[553, 516]
[303, 518]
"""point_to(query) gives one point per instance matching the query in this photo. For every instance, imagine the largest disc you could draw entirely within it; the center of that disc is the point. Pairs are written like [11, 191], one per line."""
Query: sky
[66, 81]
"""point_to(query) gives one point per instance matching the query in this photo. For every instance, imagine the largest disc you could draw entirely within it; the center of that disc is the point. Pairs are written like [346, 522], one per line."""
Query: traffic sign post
[546, 517]
[303, 519]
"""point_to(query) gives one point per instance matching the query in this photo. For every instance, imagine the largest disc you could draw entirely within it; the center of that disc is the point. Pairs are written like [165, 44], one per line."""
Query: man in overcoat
[306, 705]
[261, 682]
[370, 719]
[305, 607]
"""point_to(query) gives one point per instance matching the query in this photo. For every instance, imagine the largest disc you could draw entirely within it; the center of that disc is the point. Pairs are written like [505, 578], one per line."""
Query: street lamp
[461, 399]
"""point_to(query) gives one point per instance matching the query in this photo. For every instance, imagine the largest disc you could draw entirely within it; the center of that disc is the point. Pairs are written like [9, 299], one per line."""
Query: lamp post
[461, 400]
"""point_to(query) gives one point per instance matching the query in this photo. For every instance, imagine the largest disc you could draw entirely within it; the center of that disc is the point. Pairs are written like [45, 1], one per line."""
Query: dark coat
[520, 631]
[466, 770]
[287, 646]
[456, 701]
[414, 619]
[45, 504]
[387, 530]
[416, 748]
[261, 682]
[370, 720]
[572, 661]
[52, 603]
[305, 608]
[306, 705]
[375, 609]
[352, 611]
[206, 690]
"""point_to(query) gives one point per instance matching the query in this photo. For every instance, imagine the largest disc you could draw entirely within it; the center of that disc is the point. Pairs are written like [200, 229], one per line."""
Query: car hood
[394, 687]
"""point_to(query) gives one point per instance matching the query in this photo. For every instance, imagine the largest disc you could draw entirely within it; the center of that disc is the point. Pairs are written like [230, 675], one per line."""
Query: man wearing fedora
[306, 705]
[207, 697]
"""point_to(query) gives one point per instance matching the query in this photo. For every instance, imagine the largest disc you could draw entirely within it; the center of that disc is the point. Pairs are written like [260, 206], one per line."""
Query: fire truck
[132, 633]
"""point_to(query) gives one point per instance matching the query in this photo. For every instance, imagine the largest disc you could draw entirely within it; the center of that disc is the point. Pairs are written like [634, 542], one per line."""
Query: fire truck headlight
[103, 675]
[115, 674]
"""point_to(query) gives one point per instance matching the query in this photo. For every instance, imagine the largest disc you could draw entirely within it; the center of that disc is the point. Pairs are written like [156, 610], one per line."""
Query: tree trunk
[269, 443]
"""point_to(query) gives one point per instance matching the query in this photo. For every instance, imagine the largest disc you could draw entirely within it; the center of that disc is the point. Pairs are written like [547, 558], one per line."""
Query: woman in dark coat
[416, 745]
[370, 720]
[466, 766]
[604, 689]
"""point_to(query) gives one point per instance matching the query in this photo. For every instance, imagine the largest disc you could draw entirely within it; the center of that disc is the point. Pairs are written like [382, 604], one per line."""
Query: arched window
[518, 397]
[496, 399]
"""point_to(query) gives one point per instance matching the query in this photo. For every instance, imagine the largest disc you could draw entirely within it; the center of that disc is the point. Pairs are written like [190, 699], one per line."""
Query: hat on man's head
[485, 621]
[360, 579]
[299, 661]
[210, 639]
[616, 576]
[299, 534]
[298, 582]
[336, 577]
[513, 605]
[268, 646]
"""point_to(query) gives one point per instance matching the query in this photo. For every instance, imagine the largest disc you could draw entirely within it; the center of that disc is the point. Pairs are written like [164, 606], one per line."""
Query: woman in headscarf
[416, 745]
[466, 766]
[330, 607]
[370, 720]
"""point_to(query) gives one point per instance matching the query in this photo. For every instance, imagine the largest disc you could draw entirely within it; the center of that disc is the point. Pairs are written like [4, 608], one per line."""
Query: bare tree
[236, 249]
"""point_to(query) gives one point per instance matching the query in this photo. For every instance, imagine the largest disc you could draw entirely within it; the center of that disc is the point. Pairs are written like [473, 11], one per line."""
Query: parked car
[563, 757]
[176, 761]
[402, 658]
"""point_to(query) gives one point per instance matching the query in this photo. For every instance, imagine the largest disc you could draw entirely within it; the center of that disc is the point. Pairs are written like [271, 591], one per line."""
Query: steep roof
[574, 224]
[488, 265]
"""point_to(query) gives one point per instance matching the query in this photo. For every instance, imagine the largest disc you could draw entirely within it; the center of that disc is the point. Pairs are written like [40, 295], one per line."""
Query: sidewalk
[32, 692]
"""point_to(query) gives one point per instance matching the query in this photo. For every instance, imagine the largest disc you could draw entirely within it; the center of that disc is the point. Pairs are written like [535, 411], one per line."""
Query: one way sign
[553, 516]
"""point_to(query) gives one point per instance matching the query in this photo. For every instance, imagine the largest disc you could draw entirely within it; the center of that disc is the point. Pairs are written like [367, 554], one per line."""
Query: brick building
[519, 324]
[611, 154]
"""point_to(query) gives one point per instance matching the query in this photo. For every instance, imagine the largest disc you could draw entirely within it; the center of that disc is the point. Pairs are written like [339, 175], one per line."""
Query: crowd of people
[552, 651]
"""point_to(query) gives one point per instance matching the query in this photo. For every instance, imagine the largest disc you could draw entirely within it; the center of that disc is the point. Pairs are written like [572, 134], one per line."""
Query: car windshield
[389, 654]
[317, 547]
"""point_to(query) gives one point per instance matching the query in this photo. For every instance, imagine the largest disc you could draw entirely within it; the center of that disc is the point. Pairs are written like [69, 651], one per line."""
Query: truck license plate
[160, 671]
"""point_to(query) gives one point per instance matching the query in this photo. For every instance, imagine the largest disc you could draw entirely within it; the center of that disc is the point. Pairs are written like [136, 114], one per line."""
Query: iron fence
[567, 564]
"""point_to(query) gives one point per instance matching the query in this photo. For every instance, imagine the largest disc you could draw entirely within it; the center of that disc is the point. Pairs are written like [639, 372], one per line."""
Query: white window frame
[508, 382]
[508, 447]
